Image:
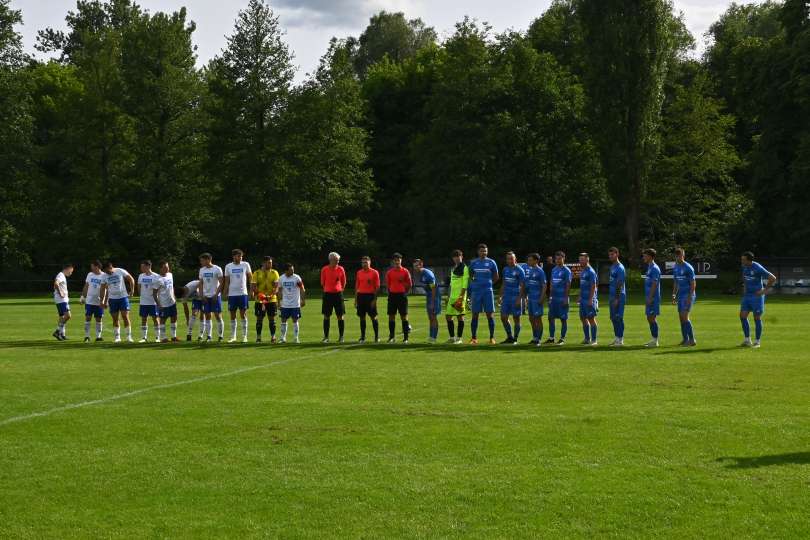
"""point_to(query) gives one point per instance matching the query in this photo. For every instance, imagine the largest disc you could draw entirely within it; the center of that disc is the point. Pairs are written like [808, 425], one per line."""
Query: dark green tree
[392, 35]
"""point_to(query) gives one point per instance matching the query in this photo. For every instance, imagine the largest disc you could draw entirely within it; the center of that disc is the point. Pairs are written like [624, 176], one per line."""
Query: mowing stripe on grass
[125, 395]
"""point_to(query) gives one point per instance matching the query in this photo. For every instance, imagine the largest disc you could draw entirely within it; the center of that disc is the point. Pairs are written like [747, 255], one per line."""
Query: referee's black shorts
[397, 303]
[260, 309]
[333, 302]
[366, 305]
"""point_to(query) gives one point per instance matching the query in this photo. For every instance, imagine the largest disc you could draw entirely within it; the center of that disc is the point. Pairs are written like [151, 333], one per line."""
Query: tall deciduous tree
[391, 35]
[629, 46]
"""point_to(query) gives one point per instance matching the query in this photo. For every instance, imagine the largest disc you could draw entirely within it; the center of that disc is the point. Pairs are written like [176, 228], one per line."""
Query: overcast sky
[311, 23]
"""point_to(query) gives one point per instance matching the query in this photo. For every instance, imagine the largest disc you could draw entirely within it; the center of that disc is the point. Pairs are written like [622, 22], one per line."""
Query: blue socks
[746, 327]
[654, 329]
[593, 333]
[491, 328]
[687, 331]
[517, 331]
[434, 332]
[474, 328]
[586, 329]
[563, 328]
[618, 327]
[758, 326]
[508, 328]
[552, 328]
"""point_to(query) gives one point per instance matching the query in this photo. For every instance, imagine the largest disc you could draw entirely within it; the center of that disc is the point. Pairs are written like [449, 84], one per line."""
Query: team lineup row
[525, 289]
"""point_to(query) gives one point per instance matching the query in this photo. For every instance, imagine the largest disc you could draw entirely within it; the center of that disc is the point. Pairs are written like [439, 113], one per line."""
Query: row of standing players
[524, 290]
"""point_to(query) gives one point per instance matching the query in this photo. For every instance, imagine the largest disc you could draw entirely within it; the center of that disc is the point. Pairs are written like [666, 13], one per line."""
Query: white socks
[295, 329]
[191, 323]
[244, 327]
[87, 329]
[283, 331]
[233, 328]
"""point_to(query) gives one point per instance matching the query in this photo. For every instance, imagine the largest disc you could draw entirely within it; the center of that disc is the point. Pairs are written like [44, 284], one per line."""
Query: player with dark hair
[757, 283]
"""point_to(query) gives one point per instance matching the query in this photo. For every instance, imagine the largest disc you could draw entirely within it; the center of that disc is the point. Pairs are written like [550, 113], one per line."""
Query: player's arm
[674, 287]
[185, 311]
[377, 286]
[567, 298]
[653, 291]
[224, 283]
[84, 292]
[253, 287]
[619, 286]
[592, 292]
[355, 290]
[220, 285]
[130, 282]
[155, 292]
[200, 288]
[769, 286]
[102, 294]
[343, 279]
[303, 293]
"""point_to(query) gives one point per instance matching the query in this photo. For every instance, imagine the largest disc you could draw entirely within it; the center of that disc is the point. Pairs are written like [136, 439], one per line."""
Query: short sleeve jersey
[290, 291]
[148, 284]
[116, 282]
[210, 280]
[94, 284]
[237, 275]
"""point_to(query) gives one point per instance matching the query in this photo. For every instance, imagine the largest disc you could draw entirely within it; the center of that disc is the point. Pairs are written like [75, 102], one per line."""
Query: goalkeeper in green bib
[457, 297]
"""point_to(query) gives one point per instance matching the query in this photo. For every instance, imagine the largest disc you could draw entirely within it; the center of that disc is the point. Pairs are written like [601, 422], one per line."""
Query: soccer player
[753, 300]
[94, 298]
[559, 302]
[236, 279]
[62, 300]
[333, 282]
[652, 294]
[210, 290]
[484, 274]
[433, 298]
[291, 289]
[398, 281]
[120, 286]
[588, 300]
[535, 297]
[457, 297]
[148, 283]
[191, 291]
[264, 288]
[167, 303]
[684, 295]
[366, 288]
[617, 296]
[513, 289]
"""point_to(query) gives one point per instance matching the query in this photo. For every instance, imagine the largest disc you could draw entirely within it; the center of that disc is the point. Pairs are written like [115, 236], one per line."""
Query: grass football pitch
[379, 441]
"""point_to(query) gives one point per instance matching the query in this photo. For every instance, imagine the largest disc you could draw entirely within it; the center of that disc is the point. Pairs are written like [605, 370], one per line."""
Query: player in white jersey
[120, 286]
[167, 303]
[291, 299]
[94, 298]
[62, 300]
[192, 292]
[148, 283]
[210, 291]
[237, 279]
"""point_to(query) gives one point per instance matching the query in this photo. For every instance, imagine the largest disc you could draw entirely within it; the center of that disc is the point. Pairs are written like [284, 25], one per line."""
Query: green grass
[385, 441]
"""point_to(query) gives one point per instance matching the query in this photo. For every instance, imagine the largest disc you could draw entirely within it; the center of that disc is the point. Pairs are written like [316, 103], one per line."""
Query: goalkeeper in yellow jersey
[457, 297]
[264, 289]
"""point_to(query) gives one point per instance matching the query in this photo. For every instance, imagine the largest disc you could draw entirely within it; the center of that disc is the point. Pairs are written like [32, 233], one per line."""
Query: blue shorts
[617, 309]
[653, 309]
[684, 306]
[169, 312]
[293, 313]
[508, 306]
[238, 302]
[753, 304]
[62, 308]
[93, 311]
[557, 309]
[534, 307]
[119, 304]
[212, 305]
[483, 301]
[196, 305]
[586, 311]
[437, 304]
[147, 311]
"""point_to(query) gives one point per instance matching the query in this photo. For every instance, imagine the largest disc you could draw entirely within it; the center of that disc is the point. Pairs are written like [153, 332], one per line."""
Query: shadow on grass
[755, 462]
[697, 350]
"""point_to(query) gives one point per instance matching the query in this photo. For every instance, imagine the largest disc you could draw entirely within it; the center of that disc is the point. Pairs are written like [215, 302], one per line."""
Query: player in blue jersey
[617, 296]
[652, 294]
[525, 267]
[588, 300]
[684, 295]
[535, 296]
[433, 298]
[755, 277]
[513, 289]
[483, 276]
[558, 302]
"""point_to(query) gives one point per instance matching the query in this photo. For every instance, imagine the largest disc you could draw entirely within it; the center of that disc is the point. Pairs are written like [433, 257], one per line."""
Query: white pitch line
[125, 395]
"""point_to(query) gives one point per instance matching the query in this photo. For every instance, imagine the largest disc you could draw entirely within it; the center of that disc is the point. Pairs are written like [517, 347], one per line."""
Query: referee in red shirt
[398, 281]
[333, 281]
[366, 287]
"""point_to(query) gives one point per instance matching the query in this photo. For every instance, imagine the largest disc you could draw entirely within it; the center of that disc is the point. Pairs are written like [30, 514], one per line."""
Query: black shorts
[333, 302]
[260, 309]
[397, 303]
[366, 304]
